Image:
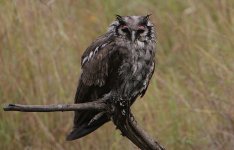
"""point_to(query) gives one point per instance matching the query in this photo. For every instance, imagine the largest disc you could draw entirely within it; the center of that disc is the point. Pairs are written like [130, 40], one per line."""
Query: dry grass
[189, 104]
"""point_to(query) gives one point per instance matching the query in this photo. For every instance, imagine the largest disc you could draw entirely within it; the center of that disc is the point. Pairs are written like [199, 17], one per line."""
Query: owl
[117, 66]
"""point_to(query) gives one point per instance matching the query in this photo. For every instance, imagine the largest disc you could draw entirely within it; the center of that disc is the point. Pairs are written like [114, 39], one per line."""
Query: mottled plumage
[117, 65]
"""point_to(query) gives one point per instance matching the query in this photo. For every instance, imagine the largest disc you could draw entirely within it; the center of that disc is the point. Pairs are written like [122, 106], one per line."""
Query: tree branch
[55, 107]
[126, 124]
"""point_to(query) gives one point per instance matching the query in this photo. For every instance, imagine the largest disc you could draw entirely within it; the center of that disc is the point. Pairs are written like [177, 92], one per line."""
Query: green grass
[189, 104]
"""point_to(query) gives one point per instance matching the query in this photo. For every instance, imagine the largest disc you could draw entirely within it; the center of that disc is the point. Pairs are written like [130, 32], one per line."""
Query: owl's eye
[140, 31]
[125, 29]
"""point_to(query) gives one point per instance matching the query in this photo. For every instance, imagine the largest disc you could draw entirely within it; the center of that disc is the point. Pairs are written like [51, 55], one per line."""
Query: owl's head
[133, 28]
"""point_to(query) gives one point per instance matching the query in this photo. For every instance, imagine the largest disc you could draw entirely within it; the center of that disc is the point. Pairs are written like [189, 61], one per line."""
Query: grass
[189, 104]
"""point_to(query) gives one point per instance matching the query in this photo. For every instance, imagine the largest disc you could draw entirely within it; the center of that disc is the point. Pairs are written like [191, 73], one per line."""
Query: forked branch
[127, 125]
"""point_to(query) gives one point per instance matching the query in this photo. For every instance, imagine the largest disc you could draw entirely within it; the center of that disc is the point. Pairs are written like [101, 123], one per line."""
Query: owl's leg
[118, 107]
[123, 105]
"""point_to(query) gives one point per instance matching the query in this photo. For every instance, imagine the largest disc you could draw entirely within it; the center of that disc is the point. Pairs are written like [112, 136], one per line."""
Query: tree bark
[55, 107]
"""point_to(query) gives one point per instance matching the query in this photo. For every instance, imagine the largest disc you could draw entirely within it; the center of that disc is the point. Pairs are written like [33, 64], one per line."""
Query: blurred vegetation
[190, 101]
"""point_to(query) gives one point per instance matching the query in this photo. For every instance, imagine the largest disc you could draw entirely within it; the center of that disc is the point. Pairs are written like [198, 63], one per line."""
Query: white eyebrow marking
[135, 17]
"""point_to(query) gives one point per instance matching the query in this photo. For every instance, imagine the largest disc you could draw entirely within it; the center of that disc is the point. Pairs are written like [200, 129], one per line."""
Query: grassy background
[190, 101]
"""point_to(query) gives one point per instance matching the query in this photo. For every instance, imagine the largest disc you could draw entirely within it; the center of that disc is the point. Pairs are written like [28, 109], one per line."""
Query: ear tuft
[120, 19]
[146, 18]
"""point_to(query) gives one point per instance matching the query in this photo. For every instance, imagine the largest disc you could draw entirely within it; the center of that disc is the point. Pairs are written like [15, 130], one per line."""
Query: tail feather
[81, 121]
[78, 133]
[84, 129]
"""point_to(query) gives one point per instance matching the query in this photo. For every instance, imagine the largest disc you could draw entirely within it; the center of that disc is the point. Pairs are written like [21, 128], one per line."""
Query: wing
[152, 68]
[96, 63]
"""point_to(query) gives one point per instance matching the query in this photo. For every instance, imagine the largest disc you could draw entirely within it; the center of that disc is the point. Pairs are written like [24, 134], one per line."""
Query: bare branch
[149, 141]
[126, 124]
[55, 107]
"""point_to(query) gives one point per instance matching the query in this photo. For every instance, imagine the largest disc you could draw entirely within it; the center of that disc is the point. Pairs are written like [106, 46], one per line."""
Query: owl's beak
[133, 36]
